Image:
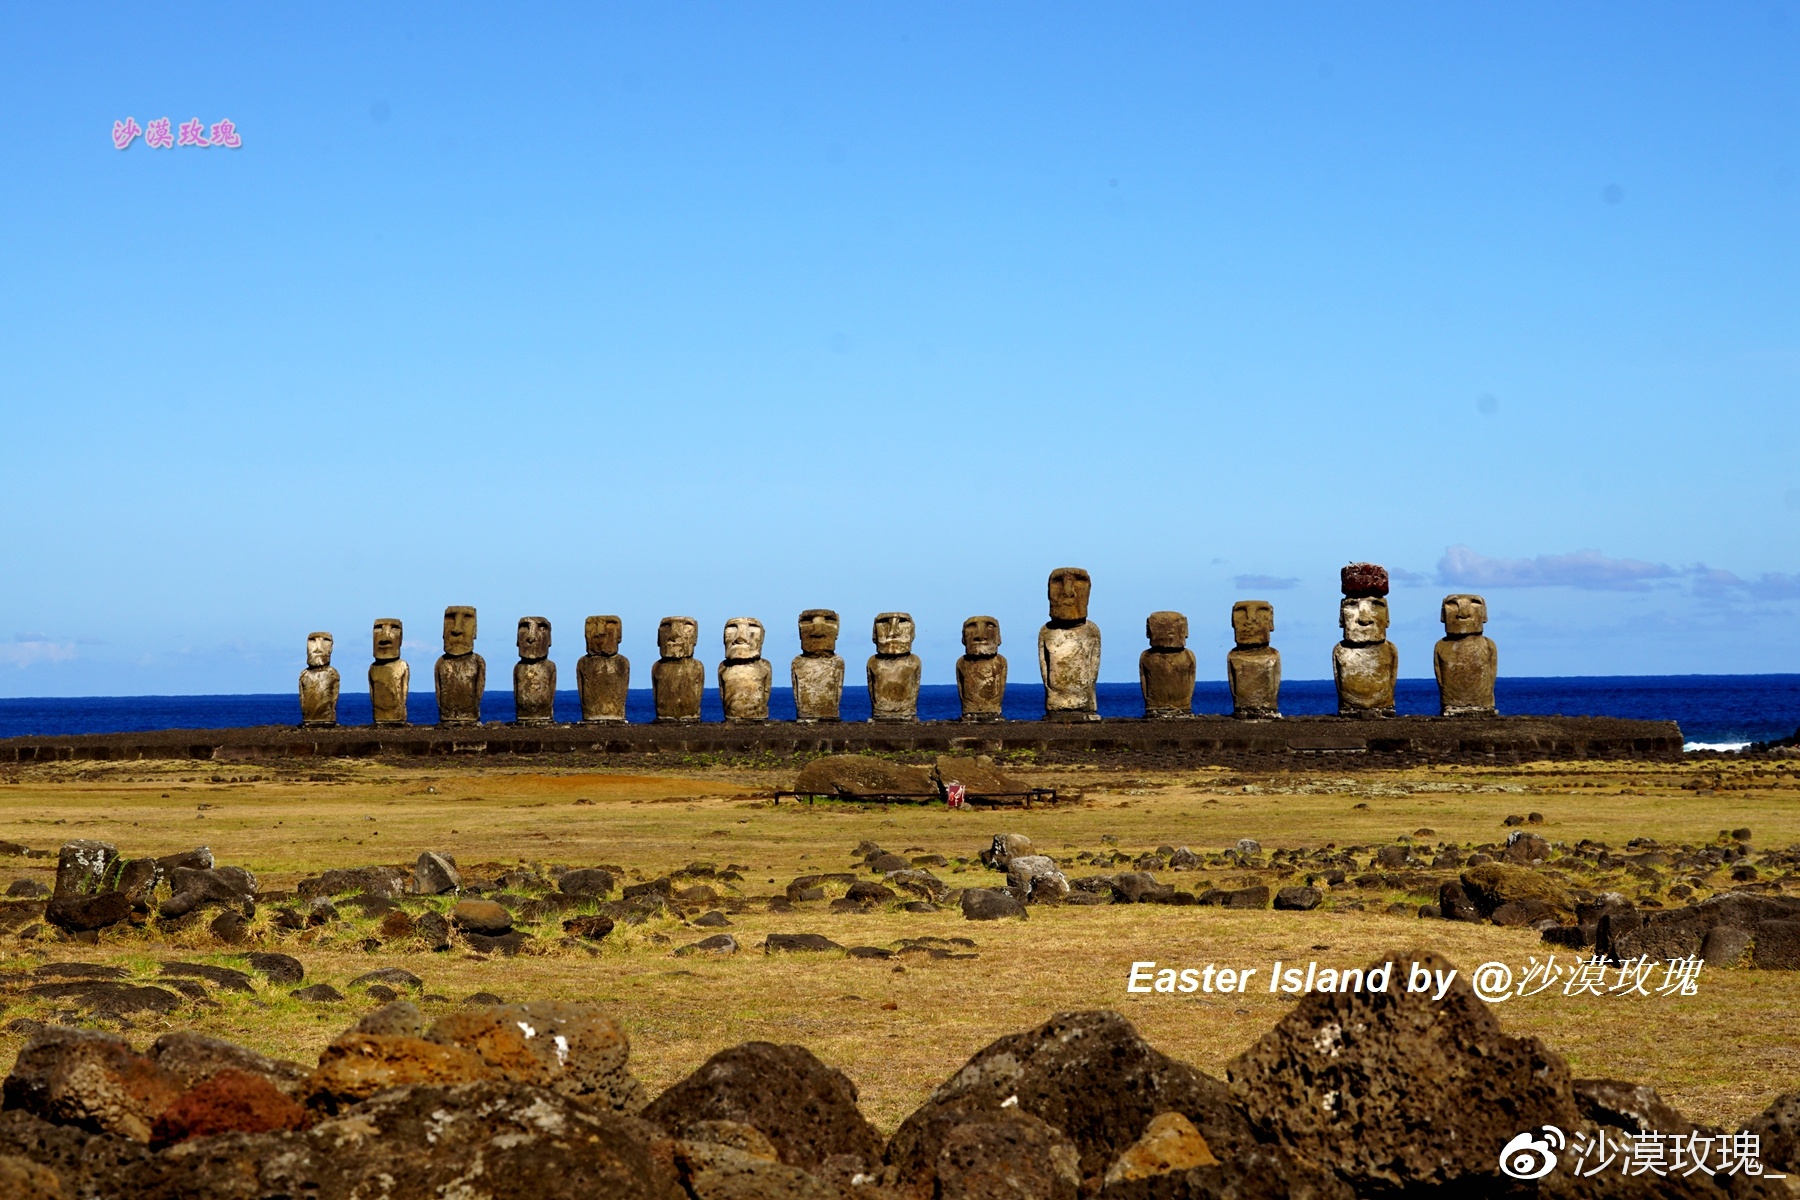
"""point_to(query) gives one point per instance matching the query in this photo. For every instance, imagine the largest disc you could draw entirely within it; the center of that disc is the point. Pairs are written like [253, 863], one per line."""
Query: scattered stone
[572, 1049]
[987, 904]
[786, 942]
[396, 926]
[1139, 887]
[434, 928]
[192, 1058]
[1004, 848]
[79, 970]
[1522, 847]
[89, 1079]
[1035, 878]
[1776, 946]
[868, 952]
[224, 977]
[1248, 846]
[1454, 903]
[1249, 897]
[1493, 884]
[80, 913]
[481, 916]
[319, 993]
[719, 944]
[593, 928]
[920, 883]
[1339, 1082]
[435, 874]
[1528, 911]
[805, 1109]
[231, 1101]
[1298, 899]
[1633, 1107]
[393, 976]
[230, 928]
[718, 920]
[109, 998]
[505, 944]
[1391, 857]
[30, 889]
[84, 867]
[374, 881]
[1724, 946]
[192, 887]
[586, 881]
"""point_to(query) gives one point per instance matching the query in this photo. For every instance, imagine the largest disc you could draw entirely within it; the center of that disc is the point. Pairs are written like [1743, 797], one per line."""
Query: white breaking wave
[1688, 746]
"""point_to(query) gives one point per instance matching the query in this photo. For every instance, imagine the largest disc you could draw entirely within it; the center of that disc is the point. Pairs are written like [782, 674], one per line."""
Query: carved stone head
[459, 629]
[1252, 621]
[387, 639]
[1166, 630]
[534, 638]
[894, 633]
[743, 639]
[318, 649]
[981, 637]
[603, 635]
[1069, 587]
[1464, 614]
[676, 637]
[1364, 619]
[818, 631]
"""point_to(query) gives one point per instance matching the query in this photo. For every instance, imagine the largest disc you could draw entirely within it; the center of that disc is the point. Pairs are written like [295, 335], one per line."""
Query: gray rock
[436, 874]
[192, 1058]
[1036, 877]
[718, 944]
[1776, 946]
[85, 867]
[79, 913]
[375, 881]
[435, 929]
[587, 881]
[392, 976]
[192, 887]
[318, 993]
[396, 1018]
[1724, 946]
[1249, 846]
[777, 943]
[988, 904]
[1298, 899]
[1003, 848]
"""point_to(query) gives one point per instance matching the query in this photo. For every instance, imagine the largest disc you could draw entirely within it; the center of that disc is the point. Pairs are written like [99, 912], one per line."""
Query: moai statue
[461, 673]
[534, 675]
[745, 675]
[894, 670]
[1253, 667]
[818, 672]
[1166, 669]
[677, 679]
[1465, 662]
[318, 683]
[1069, 650]
[981, 671]
[1365, 664]
[603, 674]
[390, 676]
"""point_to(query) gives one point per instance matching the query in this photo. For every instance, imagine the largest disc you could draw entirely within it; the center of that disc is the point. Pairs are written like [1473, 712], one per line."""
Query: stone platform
[1197, 741]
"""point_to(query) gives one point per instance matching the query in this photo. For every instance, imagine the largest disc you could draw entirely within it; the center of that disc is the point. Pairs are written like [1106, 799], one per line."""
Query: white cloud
[29, 649]
[1587, 569]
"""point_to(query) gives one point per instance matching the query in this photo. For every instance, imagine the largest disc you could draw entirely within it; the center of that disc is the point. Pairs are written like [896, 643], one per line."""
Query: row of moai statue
[1365, 665]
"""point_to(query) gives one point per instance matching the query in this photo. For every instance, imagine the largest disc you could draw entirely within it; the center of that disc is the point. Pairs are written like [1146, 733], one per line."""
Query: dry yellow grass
[900, 1026]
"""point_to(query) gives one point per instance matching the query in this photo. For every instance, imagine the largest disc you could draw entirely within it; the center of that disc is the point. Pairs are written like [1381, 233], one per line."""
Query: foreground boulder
[1393, 1089]
[192, 1058]
[90, 1080]
[1491, 885]
[806, 1109]
[574, 1049]
[1089, 1075]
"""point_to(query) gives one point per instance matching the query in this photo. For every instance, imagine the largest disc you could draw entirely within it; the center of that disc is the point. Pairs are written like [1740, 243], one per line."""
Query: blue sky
[723, 309]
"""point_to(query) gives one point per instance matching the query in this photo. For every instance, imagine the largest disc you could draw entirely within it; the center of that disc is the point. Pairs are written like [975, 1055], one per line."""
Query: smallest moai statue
[981, 671]
[603, 675]
[893, 670]
[817, 671]
[1166, 670]
[745, 675]
[1253, 667]
[534, 675]
[318, 683]
[1365, 664]
[677, 679]
[390, 676]
[1465, 662]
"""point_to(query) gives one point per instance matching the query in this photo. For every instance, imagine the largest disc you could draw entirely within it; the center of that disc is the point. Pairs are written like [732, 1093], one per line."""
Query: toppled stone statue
[1166, 669]
[1465, 662]
[678, 679]
[461, 673]
[1069, 650]
[1365, 664]
[817, 671]
[389, 675]
[745, 675]
[981, 671]
[318, 683]
[894, 670]
[1253, 667]
[534, 675]
[603, 674]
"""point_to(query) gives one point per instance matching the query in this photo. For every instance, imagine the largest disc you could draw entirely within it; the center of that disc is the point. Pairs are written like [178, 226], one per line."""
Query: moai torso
[534, 675]
[894, 670]
[318, 683]
[1465, 662]
[1166, 670]
[461, 674]
[677, 679]
[1252, 666]
[817, 672]
[603, 675]
[1365, 664]
[981, 671]
[390, 676]
[745, 675]
[1069, 650]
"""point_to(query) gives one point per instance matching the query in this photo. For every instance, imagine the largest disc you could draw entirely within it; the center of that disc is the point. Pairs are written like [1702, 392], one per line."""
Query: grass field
[899, 1026]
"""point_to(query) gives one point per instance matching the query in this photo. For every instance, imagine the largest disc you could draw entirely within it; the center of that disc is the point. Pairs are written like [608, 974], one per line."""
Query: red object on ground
[953, 793]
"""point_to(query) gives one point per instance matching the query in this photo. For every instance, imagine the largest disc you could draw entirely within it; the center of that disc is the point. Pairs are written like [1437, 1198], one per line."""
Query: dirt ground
[898, 1026]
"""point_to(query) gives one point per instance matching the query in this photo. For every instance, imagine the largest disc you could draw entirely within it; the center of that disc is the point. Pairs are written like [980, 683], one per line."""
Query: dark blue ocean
[1711, 709]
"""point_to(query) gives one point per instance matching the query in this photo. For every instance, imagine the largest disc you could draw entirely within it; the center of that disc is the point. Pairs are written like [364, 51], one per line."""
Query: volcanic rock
[89, 1079]
[987, 904]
